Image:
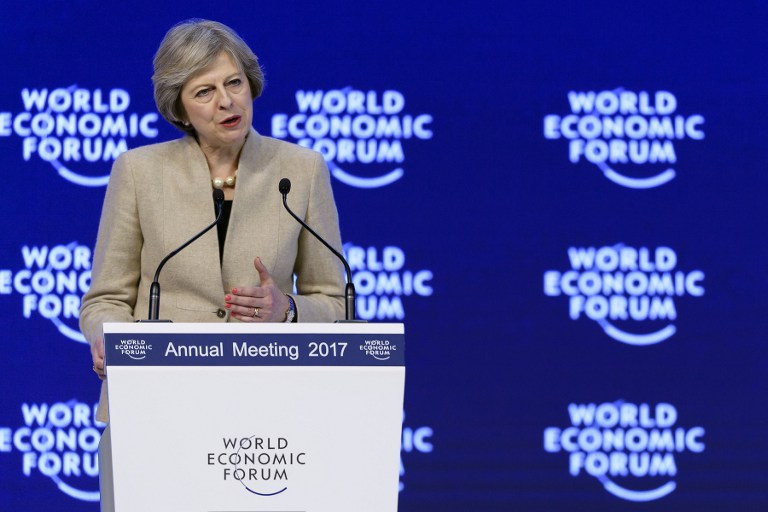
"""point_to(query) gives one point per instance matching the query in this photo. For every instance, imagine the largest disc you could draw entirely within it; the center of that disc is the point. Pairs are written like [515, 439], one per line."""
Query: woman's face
[218, 104]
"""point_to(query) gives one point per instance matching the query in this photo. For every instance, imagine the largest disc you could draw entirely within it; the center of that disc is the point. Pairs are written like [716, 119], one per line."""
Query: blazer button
[221, 313]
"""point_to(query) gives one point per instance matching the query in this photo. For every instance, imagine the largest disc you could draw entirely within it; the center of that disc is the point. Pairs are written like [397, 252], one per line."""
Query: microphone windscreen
[218, 195]
[285, 186]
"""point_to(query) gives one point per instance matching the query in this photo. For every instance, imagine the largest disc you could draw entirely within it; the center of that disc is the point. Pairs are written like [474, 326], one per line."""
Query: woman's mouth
[231, 122]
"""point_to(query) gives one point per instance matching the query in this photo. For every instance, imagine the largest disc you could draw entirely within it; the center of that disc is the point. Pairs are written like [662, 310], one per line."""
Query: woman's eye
[202, 93]
[235, 82]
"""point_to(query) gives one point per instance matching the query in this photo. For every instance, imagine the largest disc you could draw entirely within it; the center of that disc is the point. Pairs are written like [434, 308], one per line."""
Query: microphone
[154, 288]
[349, 292]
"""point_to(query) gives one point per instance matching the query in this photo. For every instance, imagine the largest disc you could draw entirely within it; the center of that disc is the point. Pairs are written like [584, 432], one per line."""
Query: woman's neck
[221, 161]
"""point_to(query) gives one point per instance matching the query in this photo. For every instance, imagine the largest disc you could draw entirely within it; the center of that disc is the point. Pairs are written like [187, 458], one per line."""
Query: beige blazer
[159, 196]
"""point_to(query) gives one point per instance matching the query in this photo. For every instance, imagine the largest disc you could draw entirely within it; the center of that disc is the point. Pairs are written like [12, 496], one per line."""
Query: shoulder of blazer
[285, 148]
[144, 157]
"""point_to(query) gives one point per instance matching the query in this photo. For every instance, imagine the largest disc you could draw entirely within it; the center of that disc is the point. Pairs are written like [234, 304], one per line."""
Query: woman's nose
[225, 100]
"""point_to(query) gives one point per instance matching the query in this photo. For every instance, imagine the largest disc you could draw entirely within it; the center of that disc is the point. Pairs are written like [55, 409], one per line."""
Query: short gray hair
[188, 48]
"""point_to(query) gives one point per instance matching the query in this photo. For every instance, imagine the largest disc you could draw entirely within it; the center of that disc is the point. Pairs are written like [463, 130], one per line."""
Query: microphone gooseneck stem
[154, 288]
[349, 291]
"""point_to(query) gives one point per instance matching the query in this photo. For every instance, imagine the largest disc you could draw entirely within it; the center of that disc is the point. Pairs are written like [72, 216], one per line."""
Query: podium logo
[620, 287]
[630, 448]
[51, 284]
[378, 349]
[76, 130]
[261, 465]
[135, 349]
[382, 280]
[59, 441]
[360, 134]
[630, 136]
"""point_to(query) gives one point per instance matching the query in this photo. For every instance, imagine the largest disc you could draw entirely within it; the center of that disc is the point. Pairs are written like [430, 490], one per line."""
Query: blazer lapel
[187, 209]
[253, 224]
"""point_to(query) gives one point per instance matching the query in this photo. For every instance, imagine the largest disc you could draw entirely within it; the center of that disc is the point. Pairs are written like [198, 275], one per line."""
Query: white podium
[255, 418]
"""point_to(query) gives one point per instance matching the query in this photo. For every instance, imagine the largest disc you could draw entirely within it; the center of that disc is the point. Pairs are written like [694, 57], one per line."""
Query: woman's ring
[255, 312]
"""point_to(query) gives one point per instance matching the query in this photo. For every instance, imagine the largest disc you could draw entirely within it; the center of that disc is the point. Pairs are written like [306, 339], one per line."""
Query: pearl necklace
[229, 181]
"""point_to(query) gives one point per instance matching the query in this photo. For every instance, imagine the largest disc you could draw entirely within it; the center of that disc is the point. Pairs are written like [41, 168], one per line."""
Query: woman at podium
[159, 196]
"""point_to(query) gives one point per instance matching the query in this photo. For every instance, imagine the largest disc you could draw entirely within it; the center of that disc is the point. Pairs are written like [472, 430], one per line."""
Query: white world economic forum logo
[73, 128]
[625, 133]
[360, 134]
[624, 285]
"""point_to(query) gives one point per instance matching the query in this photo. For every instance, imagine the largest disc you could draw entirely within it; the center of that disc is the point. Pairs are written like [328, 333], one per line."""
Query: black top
[226, 209]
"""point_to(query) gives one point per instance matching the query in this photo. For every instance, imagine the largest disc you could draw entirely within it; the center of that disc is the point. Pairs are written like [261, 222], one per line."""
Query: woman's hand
[97, 354]
[265, 303]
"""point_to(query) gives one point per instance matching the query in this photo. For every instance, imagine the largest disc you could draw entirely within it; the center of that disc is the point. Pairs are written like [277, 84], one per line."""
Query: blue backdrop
[562, 201]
